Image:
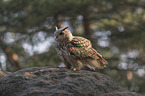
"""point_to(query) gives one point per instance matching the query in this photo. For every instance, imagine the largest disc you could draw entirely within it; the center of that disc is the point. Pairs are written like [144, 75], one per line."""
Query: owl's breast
[62, 48]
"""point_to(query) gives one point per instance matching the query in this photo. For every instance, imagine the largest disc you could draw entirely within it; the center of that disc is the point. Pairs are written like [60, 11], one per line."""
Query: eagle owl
[76, 51]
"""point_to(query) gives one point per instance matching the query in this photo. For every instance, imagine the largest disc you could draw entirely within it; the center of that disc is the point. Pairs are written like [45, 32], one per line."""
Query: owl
[76, 51]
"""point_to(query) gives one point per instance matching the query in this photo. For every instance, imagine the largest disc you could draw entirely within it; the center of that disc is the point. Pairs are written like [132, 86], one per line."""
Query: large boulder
[54, 81]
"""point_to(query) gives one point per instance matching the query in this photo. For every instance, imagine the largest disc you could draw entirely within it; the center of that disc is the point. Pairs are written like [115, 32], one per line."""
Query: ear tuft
[56, 28]
[64, 28]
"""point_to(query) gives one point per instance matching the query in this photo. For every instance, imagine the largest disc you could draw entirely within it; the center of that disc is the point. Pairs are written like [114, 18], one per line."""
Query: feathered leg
[77, 65]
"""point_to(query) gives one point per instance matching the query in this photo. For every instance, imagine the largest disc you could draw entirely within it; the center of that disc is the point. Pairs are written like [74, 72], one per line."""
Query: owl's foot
[74, 69]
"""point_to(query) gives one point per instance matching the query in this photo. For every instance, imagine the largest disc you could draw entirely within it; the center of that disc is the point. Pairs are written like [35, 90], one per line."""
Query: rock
[3, 73]
[54, 81]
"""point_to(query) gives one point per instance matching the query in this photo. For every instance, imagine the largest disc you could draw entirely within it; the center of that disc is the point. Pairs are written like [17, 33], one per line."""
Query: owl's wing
[81, 48]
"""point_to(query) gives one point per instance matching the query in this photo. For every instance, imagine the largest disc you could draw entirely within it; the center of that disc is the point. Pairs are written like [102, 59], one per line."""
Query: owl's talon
[74, 69]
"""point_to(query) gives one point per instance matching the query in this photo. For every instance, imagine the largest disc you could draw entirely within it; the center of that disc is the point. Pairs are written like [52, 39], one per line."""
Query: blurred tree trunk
[58, 19]
[11, 57]
[86, 25]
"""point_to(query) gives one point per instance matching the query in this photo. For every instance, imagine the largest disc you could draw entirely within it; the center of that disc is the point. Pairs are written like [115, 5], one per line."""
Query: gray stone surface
[54, 81]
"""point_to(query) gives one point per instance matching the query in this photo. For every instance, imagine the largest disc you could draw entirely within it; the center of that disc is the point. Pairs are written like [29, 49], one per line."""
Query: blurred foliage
[115, 28]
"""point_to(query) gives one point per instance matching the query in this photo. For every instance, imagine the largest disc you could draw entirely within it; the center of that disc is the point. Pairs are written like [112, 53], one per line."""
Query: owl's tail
[99, 63]
[102, 62]
[97, 60]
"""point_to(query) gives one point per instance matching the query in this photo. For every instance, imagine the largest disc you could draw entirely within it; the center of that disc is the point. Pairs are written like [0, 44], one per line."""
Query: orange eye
[60, 33]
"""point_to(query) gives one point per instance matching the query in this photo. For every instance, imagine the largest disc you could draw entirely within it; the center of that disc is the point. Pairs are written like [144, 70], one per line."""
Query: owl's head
[63, 35]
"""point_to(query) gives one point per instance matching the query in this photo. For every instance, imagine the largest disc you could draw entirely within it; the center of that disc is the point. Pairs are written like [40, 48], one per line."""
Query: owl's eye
[61, 33]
